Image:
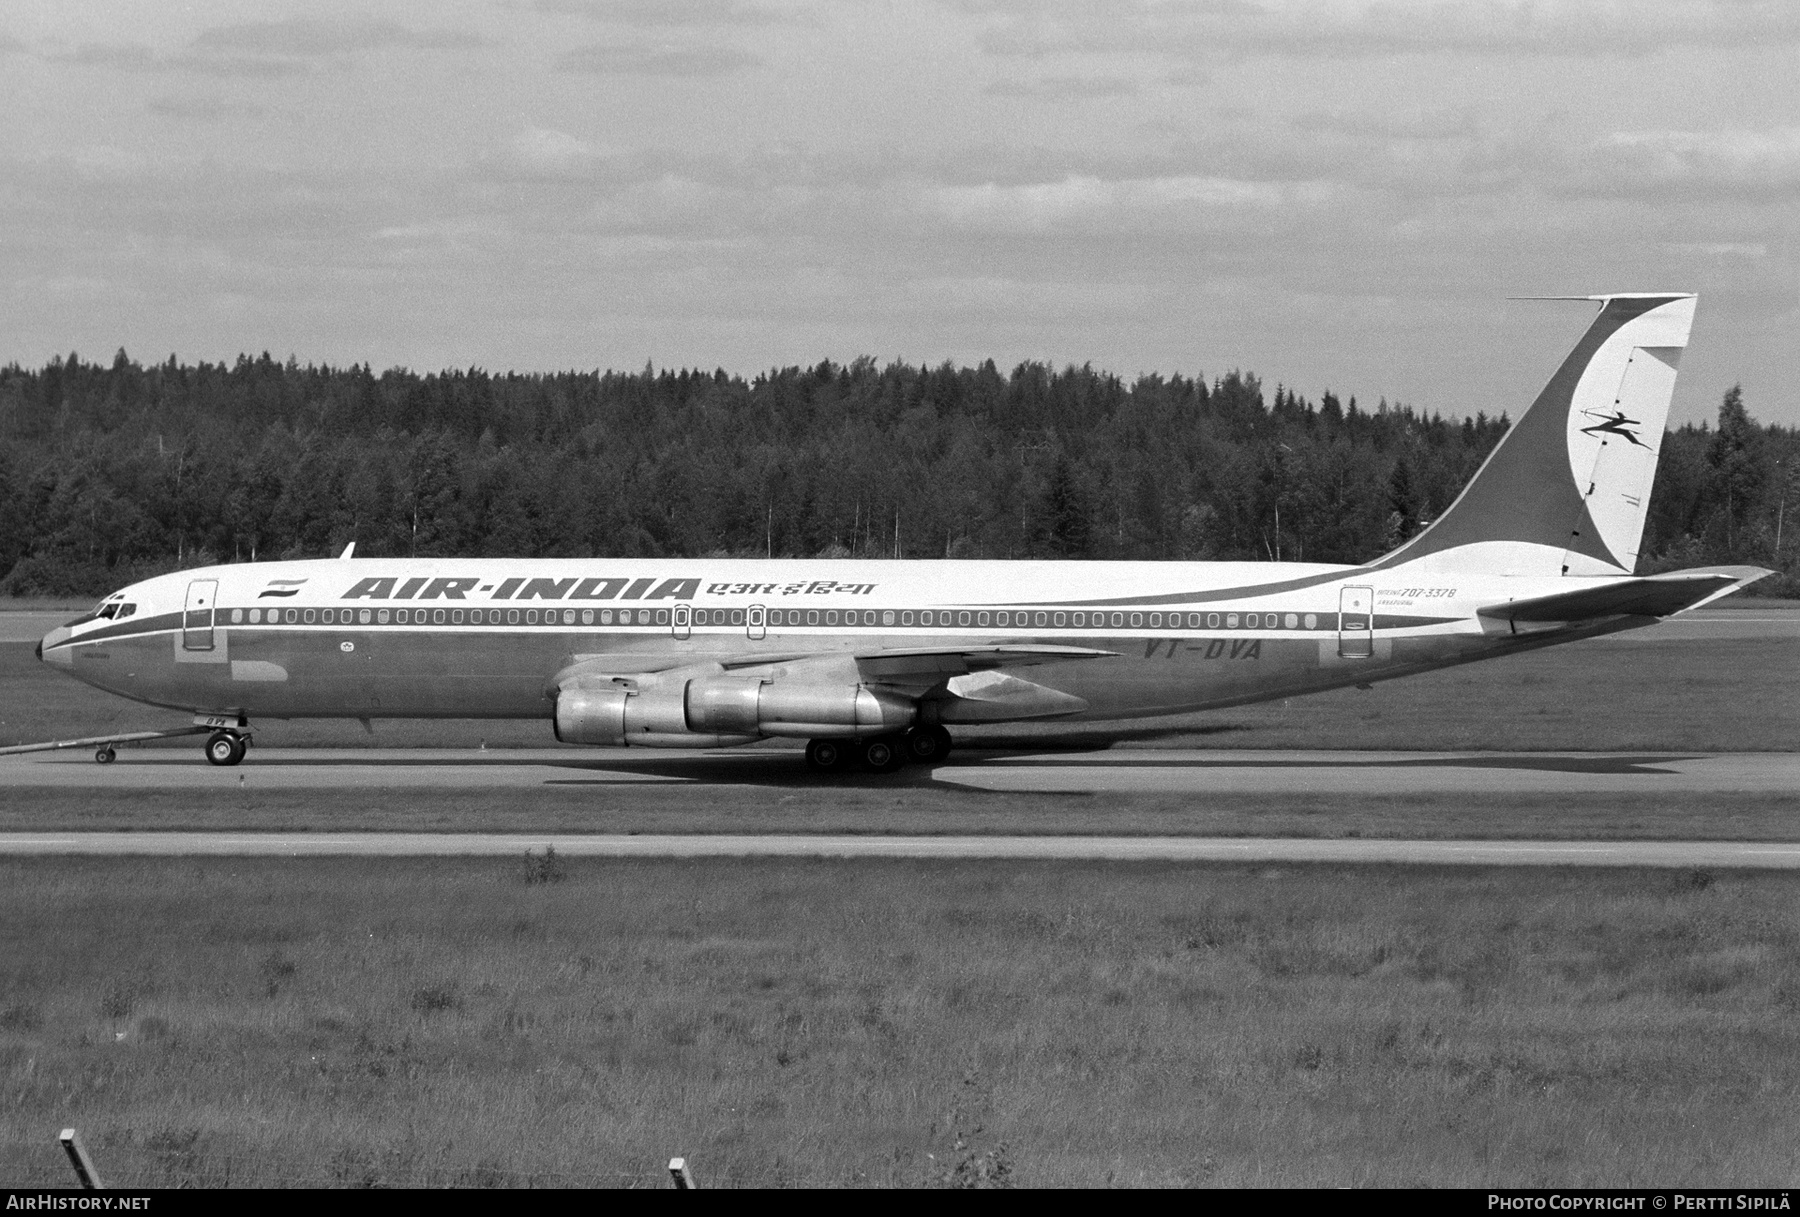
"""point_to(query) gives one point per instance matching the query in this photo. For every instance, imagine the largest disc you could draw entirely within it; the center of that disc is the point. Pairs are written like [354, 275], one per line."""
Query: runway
[1114, 771]
[1720, 854]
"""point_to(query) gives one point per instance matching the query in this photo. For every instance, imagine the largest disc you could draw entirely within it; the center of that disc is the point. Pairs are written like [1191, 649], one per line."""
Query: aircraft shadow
[790, 769]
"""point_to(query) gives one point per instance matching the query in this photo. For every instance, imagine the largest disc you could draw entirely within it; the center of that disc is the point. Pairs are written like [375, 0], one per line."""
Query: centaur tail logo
[281, 587]
[1612, 424]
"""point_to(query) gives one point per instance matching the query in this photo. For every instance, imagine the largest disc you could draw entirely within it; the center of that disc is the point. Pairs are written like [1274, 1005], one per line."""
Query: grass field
[869, 806]
[432, 1022]
[1740, 695]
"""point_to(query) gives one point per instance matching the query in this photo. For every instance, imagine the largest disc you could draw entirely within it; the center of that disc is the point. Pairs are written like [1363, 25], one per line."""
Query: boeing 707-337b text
[875, 662]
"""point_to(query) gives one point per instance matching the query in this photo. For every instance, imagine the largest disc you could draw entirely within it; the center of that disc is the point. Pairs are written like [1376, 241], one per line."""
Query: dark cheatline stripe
[1349, 573]
[1267, 620]
[128, 628]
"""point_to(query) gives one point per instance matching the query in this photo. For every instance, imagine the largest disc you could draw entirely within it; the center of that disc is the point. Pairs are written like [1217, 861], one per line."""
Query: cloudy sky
[1328, 192]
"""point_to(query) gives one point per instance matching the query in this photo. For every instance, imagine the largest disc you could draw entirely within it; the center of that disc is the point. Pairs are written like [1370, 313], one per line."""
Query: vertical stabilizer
[1567, 489]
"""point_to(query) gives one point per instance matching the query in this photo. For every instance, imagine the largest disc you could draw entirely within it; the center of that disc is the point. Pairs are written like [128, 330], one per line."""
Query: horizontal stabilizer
[1652, 596]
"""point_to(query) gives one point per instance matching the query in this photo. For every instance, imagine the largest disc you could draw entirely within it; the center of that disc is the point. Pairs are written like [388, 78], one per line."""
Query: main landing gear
[226, 747]
[881, 754]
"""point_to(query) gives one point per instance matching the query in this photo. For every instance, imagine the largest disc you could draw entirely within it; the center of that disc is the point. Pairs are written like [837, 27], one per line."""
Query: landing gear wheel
[224, 748]
[927, 745]
[104, 756]
[882, 755]
[826, 755]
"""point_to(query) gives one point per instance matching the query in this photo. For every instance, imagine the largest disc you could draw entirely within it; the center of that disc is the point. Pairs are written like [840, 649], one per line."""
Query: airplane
[875, 662]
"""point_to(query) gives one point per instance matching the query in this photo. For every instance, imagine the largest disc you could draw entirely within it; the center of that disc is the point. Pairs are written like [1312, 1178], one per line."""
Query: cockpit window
[107, 610]
[125, 610]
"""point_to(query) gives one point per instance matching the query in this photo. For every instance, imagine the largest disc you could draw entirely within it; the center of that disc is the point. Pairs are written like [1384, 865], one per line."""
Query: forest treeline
[112, 472]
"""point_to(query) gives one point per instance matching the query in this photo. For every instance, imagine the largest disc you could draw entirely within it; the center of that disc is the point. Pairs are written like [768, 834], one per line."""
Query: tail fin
[1567, 489]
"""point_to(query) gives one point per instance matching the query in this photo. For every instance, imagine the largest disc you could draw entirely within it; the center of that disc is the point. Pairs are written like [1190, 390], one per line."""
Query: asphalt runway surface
[1114, 771]
[1689, 854]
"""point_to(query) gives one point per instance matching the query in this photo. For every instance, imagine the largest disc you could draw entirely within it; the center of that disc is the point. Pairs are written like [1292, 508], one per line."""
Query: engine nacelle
[613, 715]
[718, 711]
[591, 716]
[803, 708]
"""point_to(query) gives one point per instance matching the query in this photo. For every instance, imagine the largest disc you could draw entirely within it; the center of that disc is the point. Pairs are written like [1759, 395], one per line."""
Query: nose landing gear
[226, 747]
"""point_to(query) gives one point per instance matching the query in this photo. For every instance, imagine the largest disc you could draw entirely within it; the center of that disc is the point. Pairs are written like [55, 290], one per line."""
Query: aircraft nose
[47, 646]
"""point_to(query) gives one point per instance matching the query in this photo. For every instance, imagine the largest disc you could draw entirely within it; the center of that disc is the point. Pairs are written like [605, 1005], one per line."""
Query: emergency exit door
[1356, 622]
[197, 621]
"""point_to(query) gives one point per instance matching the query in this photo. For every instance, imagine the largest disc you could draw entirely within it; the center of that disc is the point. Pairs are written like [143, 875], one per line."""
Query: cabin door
[682, 623]
[1356, 622]
[197, 621]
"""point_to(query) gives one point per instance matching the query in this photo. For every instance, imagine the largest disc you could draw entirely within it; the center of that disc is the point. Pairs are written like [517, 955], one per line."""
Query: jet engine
[675, 711]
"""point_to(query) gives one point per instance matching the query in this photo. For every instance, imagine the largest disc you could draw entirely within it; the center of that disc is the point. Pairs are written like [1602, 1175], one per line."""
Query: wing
[966, 683]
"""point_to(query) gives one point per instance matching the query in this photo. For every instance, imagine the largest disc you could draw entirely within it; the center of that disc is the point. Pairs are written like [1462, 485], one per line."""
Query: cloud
[676, 61]
[135, 57]
[1360, 28]
[1064, 88]
[11, 46]
[268, 48]
[1762, 164]
[1417, 125]
[304, 38]
[203, 109]
[1084, 201]
[664, 13]
[541, 152]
